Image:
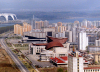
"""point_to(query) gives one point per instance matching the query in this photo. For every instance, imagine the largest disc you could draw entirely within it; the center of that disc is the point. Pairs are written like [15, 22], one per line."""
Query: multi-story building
[68, 34]
[75, 63]
[97, 42]
[92, 69]
[41, 24]
[59, 24]
[18, 29]
[74, 34]
[82, 41]
[53, 48]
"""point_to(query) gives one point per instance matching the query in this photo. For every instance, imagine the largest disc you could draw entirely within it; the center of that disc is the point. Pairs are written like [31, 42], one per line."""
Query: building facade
[82, 41]
[75, 63]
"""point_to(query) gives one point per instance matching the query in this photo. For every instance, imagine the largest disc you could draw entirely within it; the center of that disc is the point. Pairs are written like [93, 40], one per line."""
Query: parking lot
[34, 58]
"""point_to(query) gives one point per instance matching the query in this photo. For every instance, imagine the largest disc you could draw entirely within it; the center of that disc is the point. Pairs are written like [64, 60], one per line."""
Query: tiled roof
[57, 60]
[64, 58]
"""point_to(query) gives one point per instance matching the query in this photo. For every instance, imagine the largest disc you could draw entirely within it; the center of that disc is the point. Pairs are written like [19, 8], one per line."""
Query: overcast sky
[50, 5]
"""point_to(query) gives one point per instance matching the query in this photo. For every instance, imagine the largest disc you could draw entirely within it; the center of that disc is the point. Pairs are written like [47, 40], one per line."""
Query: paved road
[13, 56]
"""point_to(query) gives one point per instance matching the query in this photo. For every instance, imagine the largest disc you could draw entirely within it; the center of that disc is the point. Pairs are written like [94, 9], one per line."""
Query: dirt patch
[6, 63]
[54, 69]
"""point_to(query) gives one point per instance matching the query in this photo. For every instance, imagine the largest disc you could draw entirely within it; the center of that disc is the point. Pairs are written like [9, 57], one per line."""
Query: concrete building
[92, 69]
[55, 52]
[60, 34]
[41, 24]
[82, 41]
[84, 23]
[97, 42]
[68, 34]
[59, 24]
[53, 48]
[18, 29]
[59, 61]
[74, 34]
[75, 63]
[94, 48]
[96, 57]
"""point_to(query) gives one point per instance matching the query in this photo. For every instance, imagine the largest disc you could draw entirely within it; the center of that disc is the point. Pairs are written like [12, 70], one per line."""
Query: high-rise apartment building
[61, 28]
[18, 29]
[41, 24]
[82, 41]
[59, 24]
[75, 63]
[97, 42]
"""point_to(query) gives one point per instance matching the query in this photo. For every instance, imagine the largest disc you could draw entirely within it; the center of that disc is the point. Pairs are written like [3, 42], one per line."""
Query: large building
[82, 41]
[41, 24]
[18, 29]
[60, 28]
[59, 24]
[75, 63]
[97, 42]
[53, 48]
[69, 35]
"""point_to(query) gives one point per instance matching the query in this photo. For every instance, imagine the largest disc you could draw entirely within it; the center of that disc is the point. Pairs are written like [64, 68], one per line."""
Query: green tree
[60, 70]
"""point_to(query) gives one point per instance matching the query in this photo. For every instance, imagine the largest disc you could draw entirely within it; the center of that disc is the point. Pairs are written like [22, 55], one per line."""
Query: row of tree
[5, 29]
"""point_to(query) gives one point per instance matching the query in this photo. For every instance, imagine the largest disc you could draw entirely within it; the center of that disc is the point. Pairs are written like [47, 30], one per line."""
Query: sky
[49, 5]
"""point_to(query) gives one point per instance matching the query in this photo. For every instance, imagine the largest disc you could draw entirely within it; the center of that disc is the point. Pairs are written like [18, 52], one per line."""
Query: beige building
[60, 28]
[41, 24]
[18, 29]
[59, 24]
[96, 57]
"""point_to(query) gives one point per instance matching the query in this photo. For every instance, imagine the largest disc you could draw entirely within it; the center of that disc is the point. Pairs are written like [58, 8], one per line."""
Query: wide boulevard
[12, 55]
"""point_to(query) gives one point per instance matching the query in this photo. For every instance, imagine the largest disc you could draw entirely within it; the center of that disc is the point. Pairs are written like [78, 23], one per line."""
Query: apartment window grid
[92, 70]
[77, 64]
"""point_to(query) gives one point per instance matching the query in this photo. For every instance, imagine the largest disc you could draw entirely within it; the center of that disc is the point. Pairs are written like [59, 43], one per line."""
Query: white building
[74, 34]
[56, 52]
[68, 34]
[82, 41]
[46, 54]
[92, 69]
[60, 34]
[97, 42]
[75, 63]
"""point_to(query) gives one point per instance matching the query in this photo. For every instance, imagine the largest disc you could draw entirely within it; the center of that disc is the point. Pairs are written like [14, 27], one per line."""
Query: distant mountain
[56, 15]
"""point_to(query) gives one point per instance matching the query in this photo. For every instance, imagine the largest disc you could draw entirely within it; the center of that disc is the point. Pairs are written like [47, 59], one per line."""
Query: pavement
[13, 56]
[34, 58]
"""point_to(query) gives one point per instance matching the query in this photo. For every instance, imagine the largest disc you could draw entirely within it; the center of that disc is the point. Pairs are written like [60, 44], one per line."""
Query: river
[59, 20]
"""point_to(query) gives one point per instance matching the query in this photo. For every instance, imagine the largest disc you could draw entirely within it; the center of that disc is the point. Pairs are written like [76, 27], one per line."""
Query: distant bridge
[6, 16]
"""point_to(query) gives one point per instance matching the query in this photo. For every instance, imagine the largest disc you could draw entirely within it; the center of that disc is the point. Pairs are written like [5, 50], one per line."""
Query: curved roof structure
[54, 42]
[62, 40]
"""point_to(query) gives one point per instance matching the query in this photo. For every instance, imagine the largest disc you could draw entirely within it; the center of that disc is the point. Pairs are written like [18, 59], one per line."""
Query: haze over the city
[49, 5]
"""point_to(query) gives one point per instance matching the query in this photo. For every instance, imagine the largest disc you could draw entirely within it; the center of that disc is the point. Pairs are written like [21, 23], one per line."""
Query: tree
[60, 70]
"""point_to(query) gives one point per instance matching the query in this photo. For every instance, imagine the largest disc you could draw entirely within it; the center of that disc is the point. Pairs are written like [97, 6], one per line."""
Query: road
[12, 55]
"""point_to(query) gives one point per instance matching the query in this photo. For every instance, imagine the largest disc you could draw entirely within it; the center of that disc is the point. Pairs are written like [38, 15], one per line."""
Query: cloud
[73, 5]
